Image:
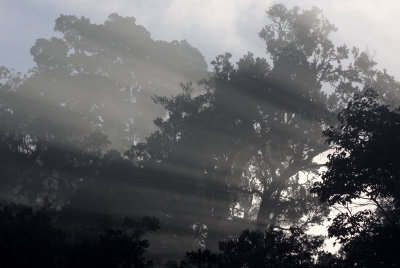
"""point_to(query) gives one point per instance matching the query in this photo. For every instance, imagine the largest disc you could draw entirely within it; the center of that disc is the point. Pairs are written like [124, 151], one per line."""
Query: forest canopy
[118, 150]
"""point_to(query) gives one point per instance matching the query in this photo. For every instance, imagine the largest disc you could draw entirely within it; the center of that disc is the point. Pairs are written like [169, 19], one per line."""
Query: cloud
[214, 26]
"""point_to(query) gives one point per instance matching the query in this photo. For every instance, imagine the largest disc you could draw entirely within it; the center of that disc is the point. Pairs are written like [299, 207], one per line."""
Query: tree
[118, 247]
[364, 167]
[257, 249]
[33, 238]
[257, 119]
[109, 72]
[90, 90]
[232, 155]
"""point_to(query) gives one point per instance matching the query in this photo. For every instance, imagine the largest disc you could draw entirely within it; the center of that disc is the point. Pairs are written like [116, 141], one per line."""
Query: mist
[157, 136]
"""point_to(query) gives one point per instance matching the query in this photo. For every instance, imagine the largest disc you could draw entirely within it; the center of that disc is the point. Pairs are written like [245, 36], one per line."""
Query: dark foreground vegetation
[105, 163]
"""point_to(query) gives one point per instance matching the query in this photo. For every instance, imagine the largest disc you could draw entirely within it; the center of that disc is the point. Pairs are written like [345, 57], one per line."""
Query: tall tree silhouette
[254, 119]
[90, 90]
[110, 72]
[363, 168]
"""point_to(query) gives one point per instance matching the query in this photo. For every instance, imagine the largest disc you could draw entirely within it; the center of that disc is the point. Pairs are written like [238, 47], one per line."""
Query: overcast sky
[213, 26]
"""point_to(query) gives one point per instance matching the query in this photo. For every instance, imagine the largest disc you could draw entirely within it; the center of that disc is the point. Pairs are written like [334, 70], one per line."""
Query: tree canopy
[112, 123]
[255, 131]
[363, 168]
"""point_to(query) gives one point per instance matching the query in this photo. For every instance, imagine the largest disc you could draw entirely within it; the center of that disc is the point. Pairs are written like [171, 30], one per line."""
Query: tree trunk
[221, 202]
[266, 206]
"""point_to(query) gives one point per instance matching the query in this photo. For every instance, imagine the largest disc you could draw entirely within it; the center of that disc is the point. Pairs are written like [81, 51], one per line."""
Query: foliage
[108, 73]
[363, 166]
[32, 238]
[257, 249]
[364, 162]
[236, 154]
[253, 118]
[116, 247]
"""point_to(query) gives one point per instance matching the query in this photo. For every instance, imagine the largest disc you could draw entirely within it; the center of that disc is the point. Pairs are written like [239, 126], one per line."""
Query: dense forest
[118, 150]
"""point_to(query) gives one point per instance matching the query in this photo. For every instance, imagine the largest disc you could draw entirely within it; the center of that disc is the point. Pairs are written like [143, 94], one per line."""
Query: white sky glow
[213, 26]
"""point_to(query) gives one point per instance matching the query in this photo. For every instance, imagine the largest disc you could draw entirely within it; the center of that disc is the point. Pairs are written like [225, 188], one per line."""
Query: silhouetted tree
[33, 238]
[119, 247]
[88, 88]
[109, 72]
[257, 249]
[256, 119]
[363, 168]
